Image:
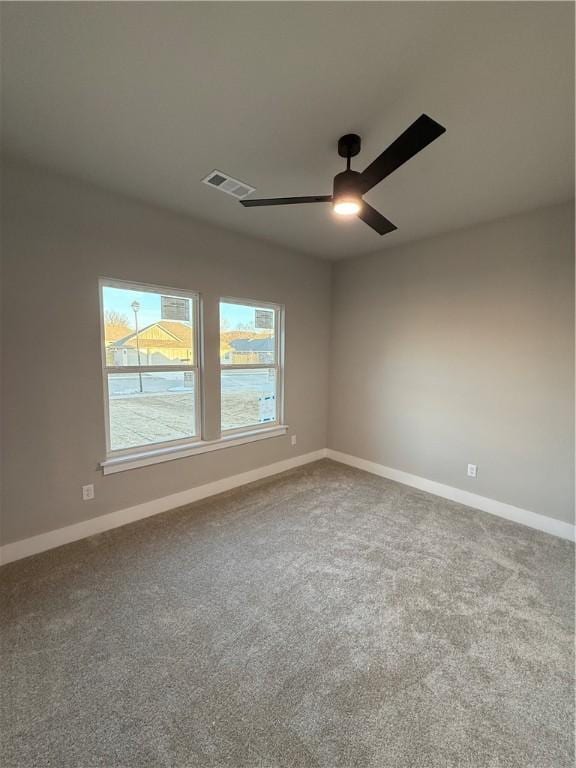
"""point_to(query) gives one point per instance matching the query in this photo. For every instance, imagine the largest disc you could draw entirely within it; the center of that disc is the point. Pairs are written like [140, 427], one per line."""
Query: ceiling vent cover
[227, 184]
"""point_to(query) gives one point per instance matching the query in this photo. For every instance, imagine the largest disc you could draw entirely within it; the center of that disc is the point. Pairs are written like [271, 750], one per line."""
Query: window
[150, 350]
[153, 374]
[250, 365]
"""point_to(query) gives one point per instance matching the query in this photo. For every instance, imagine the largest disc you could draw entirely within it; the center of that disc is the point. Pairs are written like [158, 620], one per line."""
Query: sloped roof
[265, 344]
[179, 335]
[114, 332]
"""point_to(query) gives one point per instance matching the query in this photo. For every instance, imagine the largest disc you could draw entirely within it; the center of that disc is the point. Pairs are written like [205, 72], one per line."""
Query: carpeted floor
[323, 617]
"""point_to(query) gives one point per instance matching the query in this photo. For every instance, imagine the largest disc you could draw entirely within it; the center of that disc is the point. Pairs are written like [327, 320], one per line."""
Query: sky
[120, 300]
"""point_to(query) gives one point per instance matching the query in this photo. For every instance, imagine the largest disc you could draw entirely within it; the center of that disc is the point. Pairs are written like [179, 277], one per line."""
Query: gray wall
[59, 236]
[460, 349]
[451, 350]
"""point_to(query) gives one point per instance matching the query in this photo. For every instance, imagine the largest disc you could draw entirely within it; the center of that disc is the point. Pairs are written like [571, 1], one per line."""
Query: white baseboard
[45, 541]
[499, 508]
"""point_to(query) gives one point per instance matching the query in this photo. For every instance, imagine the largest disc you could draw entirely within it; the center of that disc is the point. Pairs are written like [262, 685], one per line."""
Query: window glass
[147, 408]
[151, 369]
[247, 334]
[248, 397]
[250, 372]
[150, 372]
[144, 328]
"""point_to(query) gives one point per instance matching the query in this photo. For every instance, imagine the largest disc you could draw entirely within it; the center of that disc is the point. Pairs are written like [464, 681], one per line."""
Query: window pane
[145, 328]
[248, 397]
[247, 334]
[151, 407]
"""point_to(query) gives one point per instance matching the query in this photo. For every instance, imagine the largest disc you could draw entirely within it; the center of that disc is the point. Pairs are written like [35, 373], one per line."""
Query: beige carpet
[323, 617]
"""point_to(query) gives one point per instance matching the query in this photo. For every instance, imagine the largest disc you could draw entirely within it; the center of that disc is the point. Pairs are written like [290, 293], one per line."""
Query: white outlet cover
[293, 439]
[472, 470]
[87, 492]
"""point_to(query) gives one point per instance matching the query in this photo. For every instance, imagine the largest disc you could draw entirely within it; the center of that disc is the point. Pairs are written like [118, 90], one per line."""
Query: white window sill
[155, 456]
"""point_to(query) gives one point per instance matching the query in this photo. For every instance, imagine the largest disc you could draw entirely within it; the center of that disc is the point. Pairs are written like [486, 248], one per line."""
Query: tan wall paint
[58, 237]
[460, 349]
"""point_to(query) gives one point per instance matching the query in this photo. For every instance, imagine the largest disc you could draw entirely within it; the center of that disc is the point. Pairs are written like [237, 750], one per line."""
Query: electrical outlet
[293, 439]
[87, 492]
[472, 470]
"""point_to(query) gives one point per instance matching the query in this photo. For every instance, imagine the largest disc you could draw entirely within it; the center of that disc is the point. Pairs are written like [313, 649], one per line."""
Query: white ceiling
[147, 98]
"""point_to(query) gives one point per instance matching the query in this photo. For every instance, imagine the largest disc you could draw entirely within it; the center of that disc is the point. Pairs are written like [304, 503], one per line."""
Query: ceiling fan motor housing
[346, 184]
[349, 145]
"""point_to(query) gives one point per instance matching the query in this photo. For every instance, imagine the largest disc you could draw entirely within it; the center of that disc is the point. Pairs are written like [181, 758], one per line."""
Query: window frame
[196, 367]
[278, 365]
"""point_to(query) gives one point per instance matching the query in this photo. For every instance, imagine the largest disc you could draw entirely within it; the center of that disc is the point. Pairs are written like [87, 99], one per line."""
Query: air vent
[227, 184]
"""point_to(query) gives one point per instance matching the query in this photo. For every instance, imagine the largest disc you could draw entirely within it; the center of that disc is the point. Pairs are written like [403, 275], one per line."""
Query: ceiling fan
[349, 186]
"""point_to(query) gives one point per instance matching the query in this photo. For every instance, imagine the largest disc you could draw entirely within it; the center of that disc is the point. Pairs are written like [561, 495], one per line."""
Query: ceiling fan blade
[422, 132]
[374, 219]
[287, 200]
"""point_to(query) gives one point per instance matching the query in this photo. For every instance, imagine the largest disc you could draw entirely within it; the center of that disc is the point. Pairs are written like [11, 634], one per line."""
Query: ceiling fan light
[347, 206]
